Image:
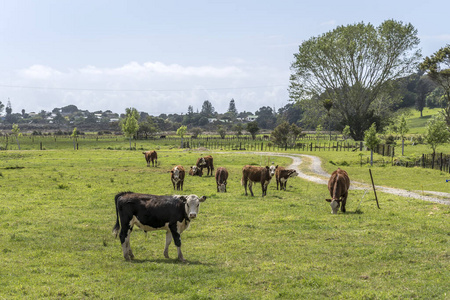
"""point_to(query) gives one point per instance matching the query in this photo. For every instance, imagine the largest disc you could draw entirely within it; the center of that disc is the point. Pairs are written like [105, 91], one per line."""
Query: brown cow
[151, 156]
[195, 171]
[253, 174]
[282, 175]
[177, 177]
[206, 162]
[221, 179]
[338, 186]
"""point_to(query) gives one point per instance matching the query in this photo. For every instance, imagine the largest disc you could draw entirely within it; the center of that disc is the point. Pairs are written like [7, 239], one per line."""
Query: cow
[195, 171]
[221, 179]
[151, 156]
[253, 174]
[282, 175]
[206, 162]
[338, 185]
[153, 212]
[177, 177]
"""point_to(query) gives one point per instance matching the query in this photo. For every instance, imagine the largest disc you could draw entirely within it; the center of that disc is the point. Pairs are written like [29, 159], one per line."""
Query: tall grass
[57, 212]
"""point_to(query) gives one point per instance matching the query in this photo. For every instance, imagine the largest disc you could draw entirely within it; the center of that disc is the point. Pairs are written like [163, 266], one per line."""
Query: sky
[163, 56]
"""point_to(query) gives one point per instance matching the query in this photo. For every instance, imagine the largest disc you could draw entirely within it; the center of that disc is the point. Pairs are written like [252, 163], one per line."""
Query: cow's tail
[116, 228]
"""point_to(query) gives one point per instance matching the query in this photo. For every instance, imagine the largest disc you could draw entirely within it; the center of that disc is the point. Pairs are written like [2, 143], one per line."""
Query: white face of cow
[334, 206]
[192, 205]
[194, 169]
[272, 170]
[202, 162]
[222, 188]
[293, 174]
[176, 174]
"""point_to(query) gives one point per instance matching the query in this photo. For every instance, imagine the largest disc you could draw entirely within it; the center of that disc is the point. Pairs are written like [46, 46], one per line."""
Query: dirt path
[321, 177]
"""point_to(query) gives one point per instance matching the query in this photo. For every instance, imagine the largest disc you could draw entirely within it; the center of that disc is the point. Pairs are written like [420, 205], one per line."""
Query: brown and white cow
[152, 212]
[338, 185]
[282, 175]
[195, 171]
[253, 174]
[221, 179]
[206, 162]
[151, 156]
[177, 177]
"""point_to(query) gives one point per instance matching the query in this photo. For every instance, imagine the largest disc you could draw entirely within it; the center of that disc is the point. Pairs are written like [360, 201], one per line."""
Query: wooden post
[373, 185]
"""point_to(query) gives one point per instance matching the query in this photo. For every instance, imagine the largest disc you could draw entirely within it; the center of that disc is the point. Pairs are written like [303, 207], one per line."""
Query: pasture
[57, 212]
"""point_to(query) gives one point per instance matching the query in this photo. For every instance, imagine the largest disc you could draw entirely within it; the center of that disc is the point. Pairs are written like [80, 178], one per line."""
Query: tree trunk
[371, 158]
[403, 146]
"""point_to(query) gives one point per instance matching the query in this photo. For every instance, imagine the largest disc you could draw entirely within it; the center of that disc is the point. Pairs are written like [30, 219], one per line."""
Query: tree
[181, 131]
[346, 132]
[353, 66]
[437, 67]
[238, 129]
[318, 130]
[437, 132]
[16, 133]
[253, 128]
[266, 117]
[403, 129]
[9, 118]
[232, 109]
[221, 131]
[207, 109]
[328, 104]
[147, 127]
[371, 140]
[130, 124]
[423, 88]
[195, 132]
[1, 106]
[74, 136]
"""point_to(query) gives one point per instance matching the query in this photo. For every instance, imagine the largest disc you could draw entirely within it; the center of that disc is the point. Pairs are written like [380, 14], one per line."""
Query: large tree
[354, 66]
[207, 109]
[437, 67]
[130, 125]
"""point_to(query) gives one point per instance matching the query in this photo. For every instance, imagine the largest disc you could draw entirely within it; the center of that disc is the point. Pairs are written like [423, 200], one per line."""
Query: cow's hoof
[166, 255]
[181, 259]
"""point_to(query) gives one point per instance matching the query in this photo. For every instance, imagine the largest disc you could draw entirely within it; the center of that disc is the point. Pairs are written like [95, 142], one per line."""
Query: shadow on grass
[170, 261]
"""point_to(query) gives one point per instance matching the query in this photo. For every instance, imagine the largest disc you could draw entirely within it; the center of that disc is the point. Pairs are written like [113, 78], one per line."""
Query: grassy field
[57, 214]
[416, 123]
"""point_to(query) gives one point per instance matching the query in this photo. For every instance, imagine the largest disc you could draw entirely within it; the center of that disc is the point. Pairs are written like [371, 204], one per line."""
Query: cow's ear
[267, 167]
[328, 200]
[183, 198]
[202, 199]
[276, 167]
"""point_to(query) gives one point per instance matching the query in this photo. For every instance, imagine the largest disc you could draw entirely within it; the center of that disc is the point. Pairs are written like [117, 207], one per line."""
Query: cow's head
[334, 203]
[222, 187]
[192, 202]
[201, 162]
[194, 170]
[293, 173]
[272, 170]
[175, 173]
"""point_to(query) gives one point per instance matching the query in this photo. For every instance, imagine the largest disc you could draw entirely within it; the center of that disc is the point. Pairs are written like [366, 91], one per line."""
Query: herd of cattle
[174, 213]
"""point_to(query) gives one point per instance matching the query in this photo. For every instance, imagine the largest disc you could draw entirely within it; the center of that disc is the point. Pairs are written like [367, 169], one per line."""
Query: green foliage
[437, 67]
[370, 137]
[437, 132]
[181, 131]
[221, 131]
[354, 66]
[346, 131]
[252, 128]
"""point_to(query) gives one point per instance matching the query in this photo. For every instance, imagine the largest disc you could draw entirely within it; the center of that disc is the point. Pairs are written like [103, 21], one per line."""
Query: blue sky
[162, 56]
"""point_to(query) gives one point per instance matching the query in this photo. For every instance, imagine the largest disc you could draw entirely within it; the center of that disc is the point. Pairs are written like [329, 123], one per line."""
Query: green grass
[57, 213]
[416, 123]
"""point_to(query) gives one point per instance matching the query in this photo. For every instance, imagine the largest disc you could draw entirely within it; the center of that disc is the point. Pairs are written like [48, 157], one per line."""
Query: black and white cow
[153, 212]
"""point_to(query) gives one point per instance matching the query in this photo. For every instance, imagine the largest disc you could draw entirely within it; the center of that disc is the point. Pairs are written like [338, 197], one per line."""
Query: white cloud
[39, 72]
[328, 23]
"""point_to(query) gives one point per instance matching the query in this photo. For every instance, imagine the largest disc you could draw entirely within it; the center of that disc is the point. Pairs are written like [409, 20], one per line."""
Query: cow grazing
[151, 156]
[177, 177]
[221, 179]
[338, 186]
[253, 174]
[206, 162]
[282, 175]
[152, 212]
[195, 171]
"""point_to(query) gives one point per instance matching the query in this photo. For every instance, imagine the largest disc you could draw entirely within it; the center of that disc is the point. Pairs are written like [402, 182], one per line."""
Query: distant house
[251, 118]
[212, 120]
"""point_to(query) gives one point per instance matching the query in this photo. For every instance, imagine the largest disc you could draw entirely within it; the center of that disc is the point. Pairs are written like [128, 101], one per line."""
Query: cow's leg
[168, 241]
[244, 182]
[281, 184]
[173, 183]
[344, 201]
[125, 240]
[264, 188]
[177, 240]
[250, 184]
